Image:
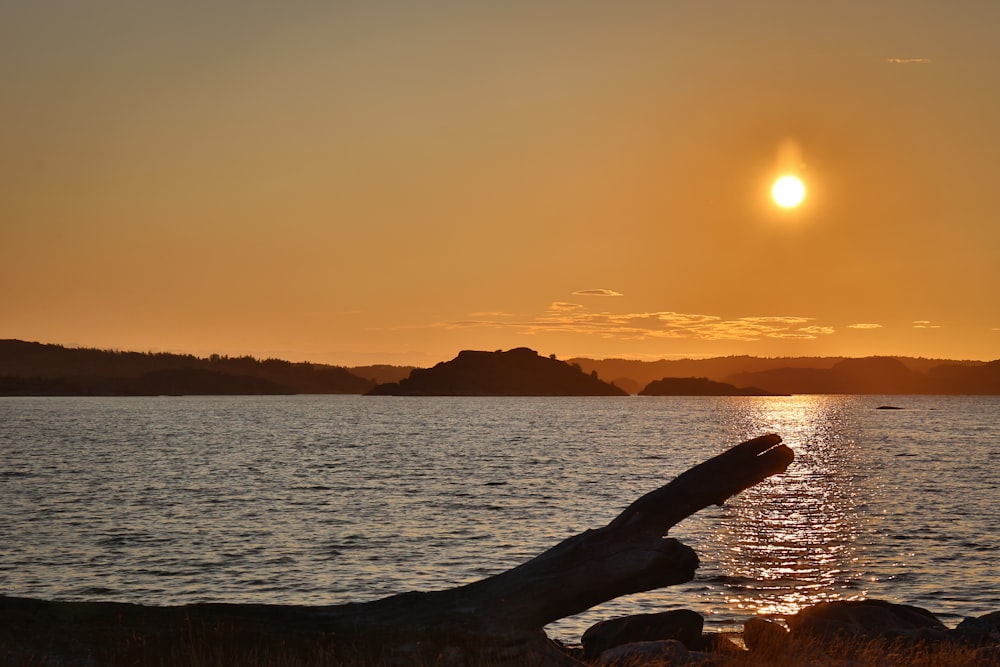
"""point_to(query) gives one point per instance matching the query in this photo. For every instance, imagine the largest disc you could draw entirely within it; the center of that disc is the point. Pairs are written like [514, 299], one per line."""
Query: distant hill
[39, 369]
[382, 373]
[813, 375]
[517, 372]
[199, 381]
[698, 387]
[878, 375]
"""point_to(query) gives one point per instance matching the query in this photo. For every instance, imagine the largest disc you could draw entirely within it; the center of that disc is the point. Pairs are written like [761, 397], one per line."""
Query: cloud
[925, 324]
[908, 61]
[818, 330]
[490, 313]
[562, 317]
[597, 292]
[563, 306]
[864, 326]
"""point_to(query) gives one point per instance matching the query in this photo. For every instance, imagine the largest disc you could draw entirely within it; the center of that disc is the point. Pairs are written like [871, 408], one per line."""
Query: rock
[978, 631]
[866, 619]
[683, 625]
[669, 652]
[715, 643]
[762, 634]
[992, 618]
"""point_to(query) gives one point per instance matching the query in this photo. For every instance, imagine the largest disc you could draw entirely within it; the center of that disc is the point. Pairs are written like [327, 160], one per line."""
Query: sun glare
[788, 191]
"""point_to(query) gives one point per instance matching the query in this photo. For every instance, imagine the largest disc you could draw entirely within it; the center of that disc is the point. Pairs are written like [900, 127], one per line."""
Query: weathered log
[498, 619]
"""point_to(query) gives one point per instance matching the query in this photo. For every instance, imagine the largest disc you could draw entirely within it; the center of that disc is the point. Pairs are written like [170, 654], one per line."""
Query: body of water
[332, 499]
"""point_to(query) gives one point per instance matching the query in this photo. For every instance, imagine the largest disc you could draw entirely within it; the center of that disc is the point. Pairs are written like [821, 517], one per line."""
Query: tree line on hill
[41, 369]
[813, 375]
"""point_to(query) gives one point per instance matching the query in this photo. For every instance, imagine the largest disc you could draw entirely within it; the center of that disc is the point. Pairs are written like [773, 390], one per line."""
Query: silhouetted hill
[698, 387]
[36, 368]
[517, 372]
[188, 381]
[878, 375]
[814, 375]
[382, 373]
[641, 373]
[956, 378]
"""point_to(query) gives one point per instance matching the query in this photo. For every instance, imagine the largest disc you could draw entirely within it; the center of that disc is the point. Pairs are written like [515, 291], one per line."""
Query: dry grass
[867, 653]
[221, 649]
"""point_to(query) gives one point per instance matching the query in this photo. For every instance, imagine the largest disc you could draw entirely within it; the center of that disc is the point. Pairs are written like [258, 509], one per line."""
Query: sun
[788, 191]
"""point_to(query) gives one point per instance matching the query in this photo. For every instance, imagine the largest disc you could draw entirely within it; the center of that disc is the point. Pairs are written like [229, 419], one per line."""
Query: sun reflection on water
[790, 541]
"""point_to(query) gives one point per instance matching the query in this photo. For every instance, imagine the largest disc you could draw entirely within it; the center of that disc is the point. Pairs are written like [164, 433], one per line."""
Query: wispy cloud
[564, 317]
[864, 326]
[908, 61]
[564, 306]
[491, 313]
[819, 331]
[925, 324]
[597, 292]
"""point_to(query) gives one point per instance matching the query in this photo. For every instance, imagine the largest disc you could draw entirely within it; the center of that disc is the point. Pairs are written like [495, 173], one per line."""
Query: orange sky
[394, 182]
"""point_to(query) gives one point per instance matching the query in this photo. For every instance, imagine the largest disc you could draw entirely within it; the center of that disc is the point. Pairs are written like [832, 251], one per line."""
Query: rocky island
[699, 387]
[517, 372]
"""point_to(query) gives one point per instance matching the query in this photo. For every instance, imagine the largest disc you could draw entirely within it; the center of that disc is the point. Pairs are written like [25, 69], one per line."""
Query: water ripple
[321, 500]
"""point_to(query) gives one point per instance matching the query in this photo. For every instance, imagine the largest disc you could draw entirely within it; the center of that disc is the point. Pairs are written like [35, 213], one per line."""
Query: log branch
[710, 483]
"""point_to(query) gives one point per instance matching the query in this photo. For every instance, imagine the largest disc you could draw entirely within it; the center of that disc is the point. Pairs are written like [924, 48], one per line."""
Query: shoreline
[95, 633]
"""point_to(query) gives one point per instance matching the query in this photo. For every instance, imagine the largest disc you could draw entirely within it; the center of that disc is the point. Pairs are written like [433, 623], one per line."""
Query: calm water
[323, 500]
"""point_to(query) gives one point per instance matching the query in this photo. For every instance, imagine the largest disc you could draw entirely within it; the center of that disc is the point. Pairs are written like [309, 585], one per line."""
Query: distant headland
[36, 369]
[517, 372]
[699, 387]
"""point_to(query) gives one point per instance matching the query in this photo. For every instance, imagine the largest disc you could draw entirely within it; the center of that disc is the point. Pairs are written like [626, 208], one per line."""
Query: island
[517, 372]
[699, 387]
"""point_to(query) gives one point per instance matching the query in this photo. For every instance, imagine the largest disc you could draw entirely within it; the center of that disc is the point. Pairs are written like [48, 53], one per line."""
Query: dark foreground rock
[683, 625]
[866, 619]
[876, 631]
[866, 632]
[666, 652]
[760, 634]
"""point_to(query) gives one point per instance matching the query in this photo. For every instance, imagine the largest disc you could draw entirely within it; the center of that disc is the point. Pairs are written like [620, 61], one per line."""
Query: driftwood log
[498, 620]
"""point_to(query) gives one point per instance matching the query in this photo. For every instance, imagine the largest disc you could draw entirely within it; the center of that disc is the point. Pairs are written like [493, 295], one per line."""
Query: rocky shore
[842, 633]
[854, 633]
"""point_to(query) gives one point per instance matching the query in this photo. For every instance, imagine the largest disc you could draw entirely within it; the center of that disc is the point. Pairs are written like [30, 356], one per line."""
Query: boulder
[669, 652]
[992, 618]
[762, 634]
[982, 631]
[866, 619]
[718, 644]
[682, 625]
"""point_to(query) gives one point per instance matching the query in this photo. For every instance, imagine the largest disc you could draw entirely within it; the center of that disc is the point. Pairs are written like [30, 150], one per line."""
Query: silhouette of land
[53, 370]
[698, 387]
[517, 372]
[813, 375]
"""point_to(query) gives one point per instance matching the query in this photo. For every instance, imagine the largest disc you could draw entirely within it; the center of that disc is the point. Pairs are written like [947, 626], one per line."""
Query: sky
[393, 182]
